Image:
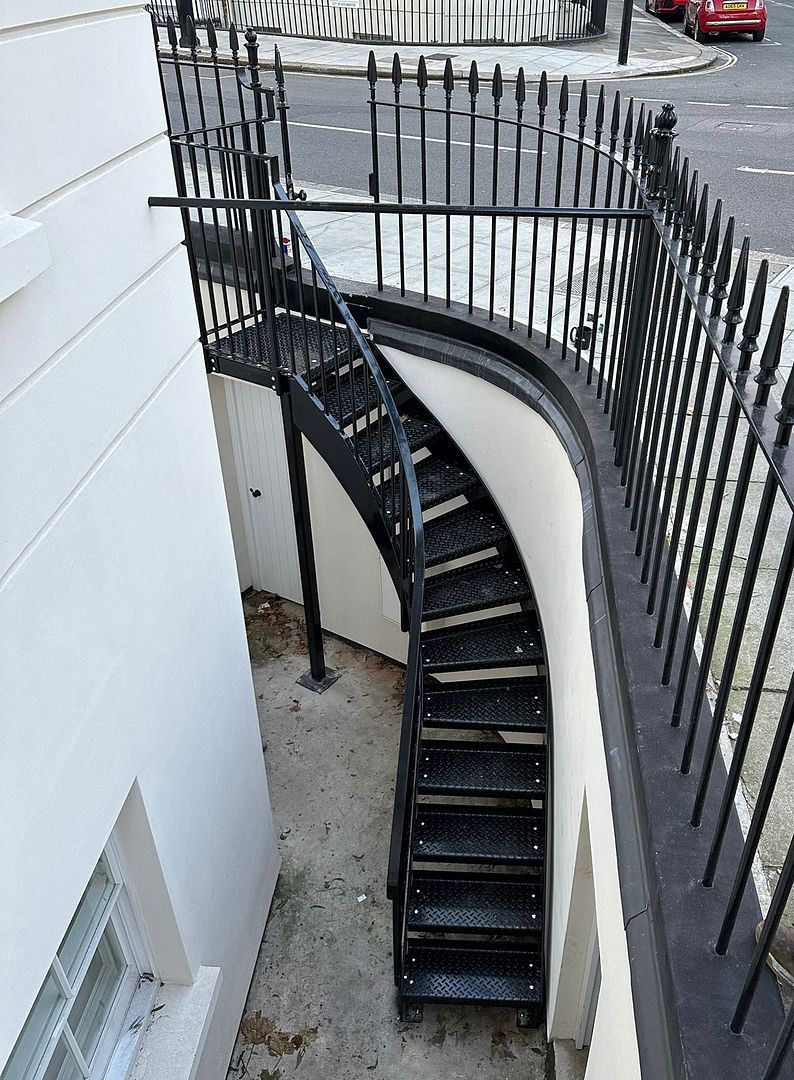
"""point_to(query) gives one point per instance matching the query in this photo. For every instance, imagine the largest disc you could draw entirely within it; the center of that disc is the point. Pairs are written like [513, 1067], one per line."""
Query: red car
[703, 18]
[665, 7]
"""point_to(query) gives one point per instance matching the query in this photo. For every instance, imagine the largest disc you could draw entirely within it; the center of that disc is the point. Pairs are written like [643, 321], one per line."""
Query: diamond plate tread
[252, 345]
[463, 531]
[488, 704]
[485, 769]
[373, 445]
[485, 974]
[478, 834]
[470, 903]
[506, 641]
[438, 481]
[489, 583]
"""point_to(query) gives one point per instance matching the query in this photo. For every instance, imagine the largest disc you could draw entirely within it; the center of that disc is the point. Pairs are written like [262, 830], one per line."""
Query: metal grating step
[373, 445]
[463, 531]
[478, 834]
[507, 641]
[490, 583]
[485, 974]
[308, 344]
[481, 769]
[438, 481]
[355, 397]
[488, 704]
[474, 903]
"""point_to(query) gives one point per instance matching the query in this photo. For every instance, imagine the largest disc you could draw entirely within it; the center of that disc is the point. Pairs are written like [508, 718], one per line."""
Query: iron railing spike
[564, 96]
[722, 272]
[474, 80]
[710, 250]
[600, 109]
[774, 343]
[682, 192]
[766, 377]
[212, 38]
[170, 29]
[449, 78]
[192, 36]
[234, 41]
[628, 127]
[614, 123]
[372, 68]
[543, 92]
[583, 102]
[396, 71]
[521, 88]
[421, 73]
[699, 231]
[733, 311]
[155, 28]
[278, 67]
[496, 83]
[690, 212]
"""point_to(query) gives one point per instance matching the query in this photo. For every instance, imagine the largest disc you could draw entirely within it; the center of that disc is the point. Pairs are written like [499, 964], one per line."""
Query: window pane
[96, 995]
[36, 1033]
[62, 1065]
[88, 915]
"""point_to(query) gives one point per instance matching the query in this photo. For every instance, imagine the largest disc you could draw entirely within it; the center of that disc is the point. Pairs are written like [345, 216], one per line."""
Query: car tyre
[758, 35]
[701, 36]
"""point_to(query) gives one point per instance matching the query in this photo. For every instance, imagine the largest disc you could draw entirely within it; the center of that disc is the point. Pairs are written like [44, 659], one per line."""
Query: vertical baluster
[543, 101]
[577, 190]
[708, 266]
[374, 185]
[449, 86]
[594, 173]
[733, 313]
[722, 272]
[614, 291]
[474, 89]
[421, 82]
[397, 78]
[496, 92]
[557, 191]
[521, 94]
[614, 133]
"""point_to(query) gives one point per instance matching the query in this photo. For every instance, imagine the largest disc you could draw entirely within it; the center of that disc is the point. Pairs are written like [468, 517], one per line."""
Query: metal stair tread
[484, 974]
[506, 641]
[474, 903]
[373, 445]
[478, 834]
[437, 480]
[464, 531]
[518, 704]
[481, 768]
[492, 582]
[251, 345]
[354, 397]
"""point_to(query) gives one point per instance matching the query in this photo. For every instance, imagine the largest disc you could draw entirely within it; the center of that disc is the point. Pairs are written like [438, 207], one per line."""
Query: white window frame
[134, 996]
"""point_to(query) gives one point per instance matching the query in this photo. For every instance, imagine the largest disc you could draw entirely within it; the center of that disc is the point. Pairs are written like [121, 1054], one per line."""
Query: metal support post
[318, 678]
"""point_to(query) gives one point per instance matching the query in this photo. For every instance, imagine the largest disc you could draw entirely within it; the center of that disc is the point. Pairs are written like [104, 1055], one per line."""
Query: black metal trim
[669, 919]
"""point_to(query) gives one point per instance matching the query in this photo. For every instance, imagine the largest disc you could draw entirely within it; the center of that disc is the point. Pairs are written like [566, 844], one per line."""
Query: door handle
[255, 492]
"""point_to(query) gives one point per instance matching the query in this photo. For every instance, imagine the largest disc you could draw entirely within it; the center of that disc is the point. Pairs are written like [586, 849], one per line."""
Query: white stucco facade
[128, 706]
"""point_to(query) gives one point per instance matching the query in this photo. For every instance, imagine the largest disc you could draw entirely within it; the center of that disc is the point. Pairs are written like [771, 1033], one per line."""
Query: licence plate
[734, 7]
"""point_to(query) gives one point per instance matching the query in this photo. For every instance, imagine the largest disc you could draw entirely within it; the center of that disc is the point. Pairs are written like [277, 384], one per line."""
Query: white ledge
[172, 1046]
[24, 253]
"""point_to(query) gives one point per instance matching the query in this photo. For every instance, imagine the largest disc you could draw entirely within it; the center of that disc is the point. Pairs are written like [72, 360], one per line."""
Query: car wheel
[758, 35]
[701, 36]
[687, 28]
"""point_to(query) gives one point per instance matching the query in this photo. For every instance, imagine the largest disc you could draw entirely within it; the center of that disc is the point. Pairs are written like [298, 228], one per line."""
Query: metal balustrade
[630, 276]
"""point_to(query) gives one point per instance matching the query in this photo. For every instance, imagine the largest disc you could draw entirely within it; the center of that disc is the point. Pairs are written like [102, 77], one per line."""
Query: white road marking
[715, 104]
[766, 172]
[412, 138]
[767, 106]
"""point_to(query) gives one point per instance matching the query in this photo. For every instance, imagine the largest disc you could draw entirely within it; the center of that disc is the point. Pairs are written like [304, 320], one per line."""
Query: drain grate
[592, 281]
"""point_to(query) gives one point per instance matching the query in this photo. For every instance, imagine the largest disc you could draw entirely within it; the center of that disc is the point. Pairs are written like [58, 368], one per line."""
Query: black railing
[405, 22]
[631, 278]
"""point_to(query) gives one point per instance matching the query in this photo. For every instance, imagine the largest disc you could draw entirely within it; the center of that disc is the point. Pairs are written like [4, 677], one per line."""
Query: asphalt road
[736, 123]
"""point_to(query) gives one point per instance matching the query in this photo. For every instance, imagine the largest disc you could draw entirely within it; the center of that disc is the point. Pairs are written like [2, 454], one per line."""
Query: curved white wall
[529, 475]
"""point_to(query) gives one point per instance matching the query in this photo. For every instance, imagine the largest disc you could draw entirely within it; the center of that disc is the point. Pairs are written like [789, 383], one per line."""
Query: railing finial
[449, 79]
[396, 72]
[474, 82]
[212, 39]
[614, 123]
[372, 69]
[774, 343]
[583, 104]
[722, 273]
[543, 94]
[600, 111]
[710, 250]
[699, 231]
[170, 30]
[563, 100]
[497, 88]
[421, 74]
[521, 89]
[234, 41]
[278, 67]
[750, 331]
[733, 313]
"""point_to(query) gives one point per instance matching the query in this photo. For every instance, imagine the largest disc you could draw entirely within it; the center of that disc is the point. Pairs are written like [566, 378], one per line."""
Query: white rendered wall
[124, 666]
[527, 471]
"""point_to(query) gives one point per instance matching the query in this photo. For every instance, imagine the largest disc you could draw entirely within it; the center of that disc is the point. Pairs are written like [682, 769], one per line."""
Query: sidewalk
[656, 49]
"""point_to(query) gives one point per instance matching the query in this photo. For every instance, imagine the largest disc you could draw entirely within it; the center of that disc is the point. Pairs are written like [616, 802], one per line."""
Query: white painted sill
[173, 1042]
[24, 253]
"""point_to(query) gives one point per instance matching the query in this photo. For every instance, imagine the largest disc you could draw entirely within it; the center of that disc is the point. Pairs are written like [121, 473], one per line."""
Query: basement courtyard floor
[322, 1001]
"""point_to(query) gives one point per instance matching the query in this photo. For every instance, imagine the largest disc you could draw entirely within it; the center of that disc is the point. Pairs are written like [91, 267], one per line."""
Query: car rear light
[709, 7]
[760, 5]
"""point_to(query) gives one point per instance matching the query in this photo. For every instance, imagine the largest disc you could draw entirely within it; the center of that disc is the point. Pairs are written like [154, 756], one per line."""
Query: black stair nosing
[477, 834]
[367, 447]
[489, 583]
[441, 902]
[481, 769]
[251, 345]
[464, 531]
[518, 704]
[354, 397]
[483, 973]
[504, 641]
[438, 481]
